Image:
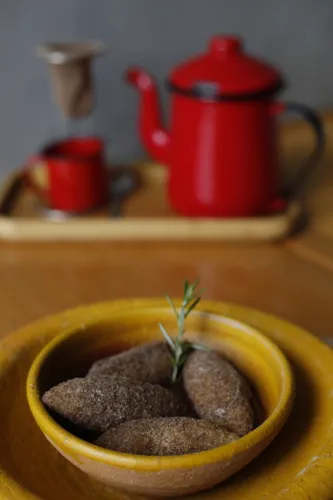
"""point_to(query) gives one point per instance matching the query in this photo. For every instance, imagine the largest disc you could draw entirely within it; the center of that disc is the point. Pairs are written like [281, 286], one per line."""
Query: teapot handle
[313, 119]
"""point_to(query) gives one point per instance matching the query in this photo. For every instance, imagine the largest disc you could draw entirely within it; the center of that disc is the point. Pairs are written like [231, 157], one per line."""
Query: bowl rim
[57, 434]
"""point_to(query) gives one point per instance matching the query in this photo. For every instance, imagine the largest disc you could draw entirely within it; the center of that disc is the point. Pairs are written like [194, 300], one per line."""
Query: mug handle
[28, 167]
[315, 122]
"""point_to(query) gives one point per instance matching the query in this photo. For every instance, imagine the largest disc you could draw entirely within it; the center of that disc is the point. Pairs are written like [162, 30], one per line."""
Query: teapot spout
[154, 137]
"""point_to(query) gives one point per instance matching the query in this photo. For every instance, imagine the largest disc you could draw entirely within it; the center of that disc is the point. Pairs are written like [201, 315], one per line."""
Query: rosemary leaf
[172, 305]
[167, 337]
[200, 347]
[192, 306]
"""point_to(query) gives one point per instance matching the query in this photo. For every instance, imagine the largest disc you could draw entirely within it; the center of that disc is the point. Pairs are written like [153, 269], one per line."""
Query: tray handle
[29, 177]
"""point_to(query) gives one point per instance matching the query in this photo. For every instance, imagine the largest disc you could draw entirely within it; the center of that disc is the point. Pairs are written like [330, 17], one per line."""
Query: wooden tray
[298, 465]
[146, 216]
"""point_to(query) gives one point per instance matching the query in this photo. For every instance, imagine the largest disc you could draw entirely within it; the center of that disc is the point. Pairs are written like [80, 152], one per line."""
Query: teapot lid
[225, 72]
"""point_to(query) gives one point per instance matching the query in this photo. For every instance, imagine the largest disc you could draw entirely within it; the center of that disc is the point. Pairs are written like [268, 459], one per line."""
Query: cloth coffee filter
[70, 65]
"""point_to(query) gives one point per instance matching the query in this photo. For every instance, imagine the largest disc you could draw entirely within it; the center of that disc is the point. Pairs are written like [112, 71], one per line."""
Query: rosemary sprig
[179, 347]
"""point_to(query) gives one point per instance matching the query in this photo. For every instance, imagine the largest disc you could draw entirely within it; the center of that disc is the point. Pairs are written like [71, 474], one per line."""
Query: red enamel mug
[76, 172]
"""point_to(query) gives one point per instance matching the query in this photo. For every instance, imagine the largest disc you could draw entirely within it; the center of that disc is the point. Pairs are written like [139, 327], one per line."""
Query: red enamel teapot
[222, 146]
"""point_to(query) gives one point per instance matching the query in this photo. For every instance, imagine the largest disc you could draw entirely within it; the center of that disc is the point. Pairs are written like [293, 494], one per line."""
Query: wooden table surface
[293, 280]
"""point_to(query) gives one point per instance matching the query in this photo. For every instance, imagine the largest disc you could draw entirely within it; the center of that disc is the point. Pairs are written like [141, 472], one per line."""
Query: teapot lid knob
[222, 45]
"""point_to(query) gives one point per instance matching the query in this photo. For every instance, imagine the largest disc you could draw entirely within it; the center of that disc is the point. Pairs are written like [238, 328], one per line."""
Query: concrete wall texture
[295, 35]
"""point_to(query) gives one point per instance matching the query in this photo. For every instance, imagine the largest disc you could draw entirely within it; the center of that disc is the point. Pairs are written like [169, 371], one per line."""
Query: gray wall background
[295, 35]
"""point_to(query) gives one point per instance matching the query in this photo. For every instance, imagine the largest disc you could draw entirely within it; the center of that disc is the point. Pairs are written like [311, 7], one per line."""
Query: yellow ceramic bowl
[70, 355]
